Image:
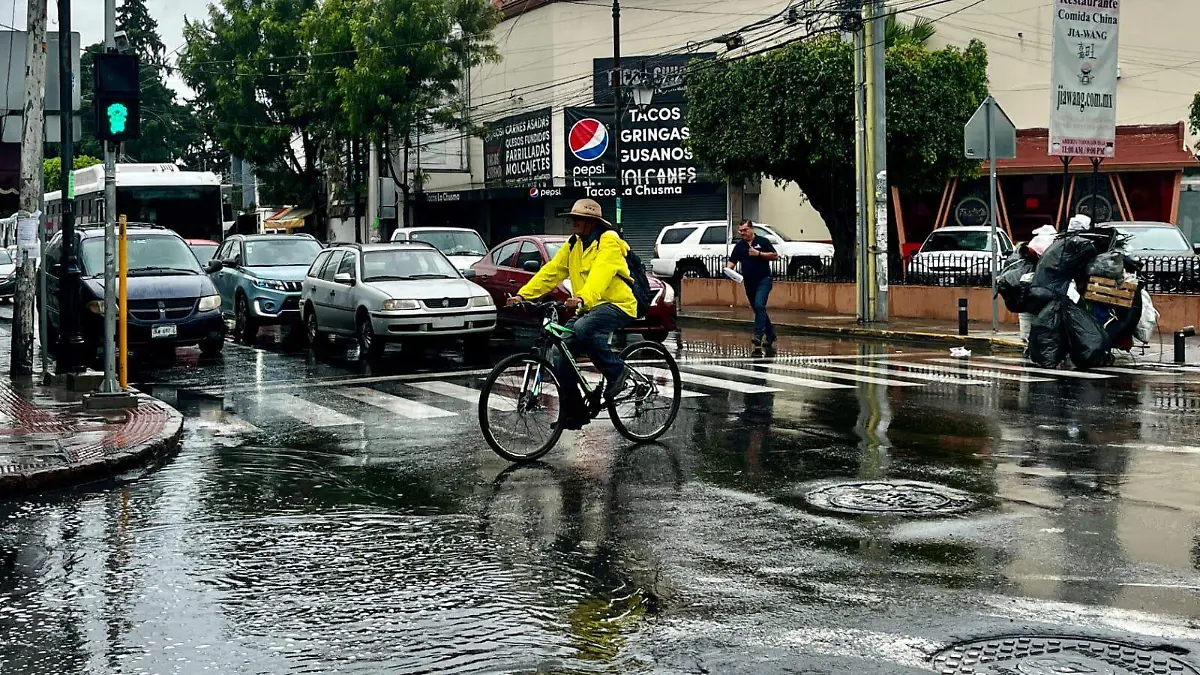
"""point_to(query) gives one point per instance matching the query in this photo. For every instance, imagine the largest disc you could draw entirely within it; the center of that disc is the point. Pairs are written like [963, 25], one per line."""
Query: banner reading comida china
[1083, 85]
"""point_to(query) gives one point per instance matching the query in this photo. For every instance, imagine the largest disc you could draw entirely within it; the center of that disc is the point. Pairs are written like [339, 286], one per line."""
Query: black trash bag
[1110, 265]
[1120, 329]
[1047, 342]
[1010, 287]
[1087, 341]
[1064, 261]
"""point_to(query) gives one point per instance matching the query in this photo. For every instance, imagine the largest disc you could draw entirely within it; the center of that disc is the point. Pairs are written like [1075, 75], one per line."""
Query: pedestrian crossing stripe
[306, 411]
[1107, 369]
[467, 394]
[924, 377]
[394, 404]
[771, 377]
[1070, 374]
[969, 372]
[705, 381]
[865, 379]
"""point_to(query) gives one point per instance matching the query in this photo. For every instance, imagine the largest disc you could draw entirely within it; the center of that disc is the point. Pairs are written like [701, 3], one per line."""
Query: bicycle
[524, 386]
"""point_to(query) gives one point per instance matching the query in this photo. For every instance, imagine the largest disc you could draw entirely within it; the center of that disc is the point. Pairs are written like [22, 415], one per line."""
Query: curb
[982, 343]
[162, 444]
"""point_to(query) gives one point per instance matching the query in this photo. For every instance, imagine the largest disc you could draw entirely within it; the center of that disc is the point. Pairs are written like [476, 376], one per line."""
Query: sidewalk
[48, 441]
[980, 336]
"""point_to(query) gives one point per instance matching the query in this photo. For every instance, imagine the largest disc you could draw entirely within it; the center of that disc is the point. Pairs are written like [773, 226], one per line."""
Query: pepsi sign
[588, 139]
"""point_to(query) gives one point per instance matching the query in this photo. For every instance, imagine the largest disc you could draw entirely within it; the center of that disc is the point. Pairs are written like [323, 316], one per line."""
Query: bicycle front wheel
[650, 403]
[519, 411]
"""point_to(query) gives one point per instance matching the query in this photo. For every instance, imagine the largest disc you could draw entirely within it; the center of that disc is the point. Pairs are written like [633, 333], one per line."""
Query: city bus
[188, 202]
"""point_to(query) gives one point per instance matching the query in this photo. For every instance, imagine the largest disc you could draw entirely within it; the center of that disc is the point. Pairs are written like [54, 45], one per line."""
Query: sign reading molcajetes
[654, 159]
[518, 151]
[1083, 86]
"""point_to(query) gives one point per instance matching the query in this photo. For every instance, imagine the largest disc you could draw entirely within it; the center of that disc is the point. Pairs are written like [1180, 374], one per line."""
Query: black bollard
[1180, 344]
[962, 316]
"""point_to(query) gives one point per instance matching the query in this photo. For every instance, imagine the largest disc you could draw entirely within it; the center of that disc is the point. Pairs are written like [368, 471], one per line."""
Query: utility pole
[70, 342]
[618, 82]
[878, 94]
[861, 247]
[110, 385]
[373, 191]
[32, 133]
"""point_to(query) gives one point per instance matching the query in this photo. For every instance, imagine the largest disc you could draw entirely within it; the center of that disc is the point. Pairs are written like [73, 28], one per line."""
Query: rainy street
[841, 507]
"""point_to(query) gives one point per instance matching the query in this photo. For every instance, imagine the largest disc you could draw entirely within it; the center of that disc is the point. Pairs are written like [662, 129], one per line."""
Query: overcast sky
[87, 18]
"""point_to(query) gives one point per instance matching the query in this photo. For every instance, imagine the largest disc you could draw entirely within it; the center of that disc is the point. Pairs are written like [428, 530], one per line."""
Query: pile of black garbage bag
[1052, 285]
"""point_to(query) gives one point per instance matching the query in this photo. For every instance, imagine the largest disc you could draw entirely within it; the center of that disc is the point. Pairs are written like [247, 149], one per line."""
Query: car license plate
[167, 331]
[449, 322]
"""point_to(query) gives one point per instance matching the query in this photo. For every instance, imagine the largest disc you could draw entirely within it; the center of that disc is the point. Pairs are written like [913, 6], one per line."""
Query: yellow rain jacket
[597, 274]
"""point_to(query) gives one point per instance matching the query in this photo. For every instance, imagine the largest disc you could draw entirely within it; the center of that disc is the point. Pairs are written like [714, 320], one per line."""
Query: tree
[169, 130]
[794, 121]
[52, 170]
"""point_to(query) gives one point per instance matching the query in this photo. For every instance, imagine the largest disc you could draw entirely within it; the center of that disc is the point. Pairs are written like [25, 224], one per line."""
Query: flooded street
[328, 517]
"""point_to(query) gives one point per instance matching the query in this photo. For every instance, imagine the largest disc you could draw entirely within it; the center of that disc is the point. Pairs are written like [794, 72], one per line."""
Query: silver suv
[380, 293]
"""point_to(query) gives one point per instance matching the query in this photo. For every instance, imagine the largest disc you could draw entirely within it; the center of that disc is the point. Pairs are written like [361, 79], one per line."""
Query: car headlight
[96, 307]
[209, 302]
[668, 295]
[392, 305]
[482, 301]
[271, 284]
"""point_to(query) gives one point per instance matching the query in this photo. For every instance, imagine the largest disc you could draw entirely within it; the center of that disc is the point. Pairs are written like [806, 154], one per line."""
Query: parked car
[203, 248]
[957, 256]
[171, 301]
[8, 276]
[464, 247]
[1169, 262]
[687, 249]
[258, 277]
[381, 293]
[510, 265]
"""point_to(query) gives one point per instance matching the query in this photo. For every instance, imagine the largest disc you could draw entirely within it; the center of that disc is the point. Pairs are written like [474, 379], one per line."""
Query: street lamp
[643, 91]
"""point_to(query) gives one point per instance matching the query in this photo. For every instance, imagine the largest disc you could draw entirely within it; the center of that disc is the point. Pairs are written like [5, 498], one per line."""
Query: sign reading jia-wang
[1083, 112]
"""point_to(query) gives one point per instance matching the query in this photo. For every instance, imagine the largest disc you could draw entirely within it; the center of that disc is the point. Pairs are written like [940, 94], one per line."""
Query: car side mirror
[1196, 249]
[213, 266]
[232, 262]
[468, 274]
[531, 265]
[344, 279]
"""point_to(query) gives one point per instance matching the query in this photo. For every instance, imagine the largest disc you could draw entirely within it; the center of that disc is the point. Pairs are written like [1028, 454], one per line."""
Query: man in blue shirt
[755, 254]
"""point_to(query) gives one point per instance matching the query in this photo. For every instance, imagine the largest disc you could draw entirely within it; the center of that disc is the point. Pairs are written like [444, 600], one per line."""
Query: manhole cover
[1045, 655]
[898, 497]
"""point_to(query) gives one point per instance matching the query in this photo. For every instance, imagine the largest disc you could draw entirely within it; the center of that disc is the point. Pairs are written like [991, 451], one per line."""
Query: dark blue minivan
[172, 302]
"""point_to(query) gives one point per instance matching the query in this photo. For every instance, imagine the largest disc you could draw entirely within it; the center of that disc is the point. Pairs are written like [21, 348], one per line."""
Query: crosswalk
[438, 399]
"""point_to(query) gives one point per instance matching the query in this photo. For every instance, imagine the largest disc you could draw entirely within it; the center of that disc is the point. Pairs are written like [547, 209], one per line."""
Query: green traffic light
[117, 115]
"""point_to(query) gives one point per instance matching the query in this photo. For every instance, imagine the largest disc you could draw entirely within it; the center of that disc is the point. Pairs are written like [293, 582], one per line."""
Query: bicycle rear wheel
[519, 411]
[648, 407]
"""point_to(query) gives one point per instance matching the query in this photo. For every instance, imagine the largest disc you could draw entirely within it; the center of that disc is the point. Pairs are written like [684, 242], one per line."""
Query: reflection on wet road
[324, 516]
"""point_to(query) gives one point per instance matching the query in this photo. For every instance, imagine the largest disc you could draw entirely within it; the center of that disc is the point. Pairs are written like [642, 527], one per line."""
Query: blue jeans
[757, 295]
[593, 330]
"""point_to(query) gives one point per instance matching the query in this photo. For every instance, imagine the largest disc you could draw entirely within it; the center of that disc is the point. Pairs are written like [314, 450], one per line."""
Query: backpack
[637, 280]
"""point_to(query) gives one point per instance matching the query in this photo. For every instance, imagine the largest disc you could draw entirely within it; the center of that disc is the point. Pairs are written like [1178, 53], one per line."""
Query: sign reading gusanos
[1083, 113]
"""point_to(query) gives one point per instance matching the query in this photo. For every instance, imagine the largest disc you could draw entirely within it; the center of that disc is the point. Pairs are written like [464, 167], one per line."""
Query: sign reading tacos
[518, 151]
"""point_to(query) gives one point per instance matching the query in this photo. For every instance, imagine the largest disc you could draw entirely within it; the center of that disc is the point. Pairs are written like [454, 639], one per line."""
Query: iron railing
[1171, 274]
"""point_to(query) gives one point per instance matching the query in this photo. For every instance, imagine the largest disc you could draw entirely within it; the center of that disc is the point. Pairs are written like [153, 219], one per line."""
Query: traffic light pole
[70, 344]
[110, 385]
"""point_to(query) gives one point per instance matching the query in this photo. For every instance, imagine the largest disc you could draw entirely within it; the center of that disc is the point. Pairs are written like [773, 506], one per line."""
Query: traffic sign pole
[991, 151]
[992, 133]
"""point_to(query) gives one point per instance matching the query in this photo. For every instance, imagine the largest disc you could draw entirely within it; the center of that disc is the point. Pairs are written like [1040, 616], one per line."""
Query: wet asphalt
[329, 516]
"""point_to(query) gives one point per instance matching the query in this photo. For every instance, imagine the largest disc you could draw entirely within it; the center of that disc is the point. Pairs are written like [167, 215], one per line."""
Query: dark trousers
[593, 330]
[757, 294]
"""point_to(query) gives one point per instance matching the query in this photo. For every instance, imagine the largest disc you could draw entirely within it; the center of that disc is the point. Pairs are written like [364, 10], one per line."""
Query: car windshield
[281, 252]
[552, 248]
[406, 264]
[204, 252]
[956, 241]
[148, 254]
[452, 242]
[5, 258]
[1154, 239]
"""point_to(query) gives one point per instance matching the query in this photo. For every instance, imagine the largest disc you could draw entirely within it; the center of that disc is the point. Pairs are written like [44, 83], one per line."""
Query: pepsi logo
[588, 139]
[533, 193]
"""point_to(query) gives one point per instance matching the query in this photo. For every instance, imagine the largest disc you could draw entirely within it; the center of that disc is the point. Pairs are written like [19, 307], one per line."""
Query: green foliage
[1194, 118]
[920, 31]
[52, 170]
[789, 115]
[169, 131]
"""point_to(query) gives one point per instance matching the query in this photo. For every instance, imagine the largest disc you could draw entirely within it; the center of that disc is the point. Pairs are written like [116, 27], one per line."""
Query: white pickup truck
[691, 249]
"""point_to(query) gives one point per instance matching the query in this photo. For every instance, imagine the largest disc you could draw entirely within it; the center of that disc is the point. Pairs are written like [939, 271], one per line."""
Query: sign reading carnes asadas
[518, 151]
[1083, 85]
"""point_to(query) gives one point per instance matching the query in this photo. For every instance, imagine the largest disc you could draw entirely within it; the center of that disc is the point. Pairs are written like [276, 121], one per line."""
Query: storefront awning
[1138, 148]
[288, 219]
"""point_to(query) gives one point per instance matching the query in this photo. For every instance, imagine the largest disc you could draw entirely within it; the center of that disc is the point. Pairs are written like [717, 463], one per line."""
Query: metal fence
[1173, 275]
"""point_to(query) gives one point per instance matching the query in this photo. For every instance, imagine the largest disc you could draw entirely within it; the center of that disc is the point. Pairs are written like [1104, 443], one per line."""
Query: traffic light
[116, 93]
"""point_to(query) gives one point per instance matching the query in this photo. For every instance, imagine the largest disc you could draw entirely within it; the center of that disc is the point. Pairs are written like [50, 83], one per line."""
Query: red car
[507, 267]
[203, 248]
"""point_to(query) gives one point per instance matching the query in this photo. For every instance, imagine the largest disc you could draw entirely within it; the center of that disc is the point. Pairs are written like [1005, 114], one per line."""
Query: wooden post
[900, 235]
[1004, 211]
[1175, 198]
[1124, 196]
[942, 203]
[33, 130]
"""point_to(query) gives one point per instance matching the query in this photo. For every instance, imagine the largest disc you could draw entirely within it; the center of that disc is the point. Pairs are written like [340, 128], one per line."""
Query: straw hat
[588, 208]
